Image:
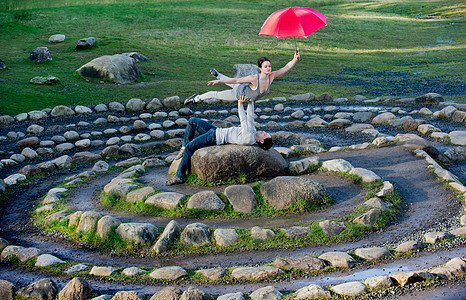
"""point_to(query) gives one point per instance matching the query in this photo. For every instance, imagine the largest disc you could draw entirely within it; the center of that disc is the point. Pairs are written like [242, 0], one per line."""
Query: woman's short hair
[261, 60]
[266, 144]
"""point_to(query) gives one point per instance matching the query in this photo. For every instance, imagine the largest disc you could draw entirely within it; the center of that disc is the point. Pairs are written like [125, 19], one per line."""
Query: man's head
[263, 139]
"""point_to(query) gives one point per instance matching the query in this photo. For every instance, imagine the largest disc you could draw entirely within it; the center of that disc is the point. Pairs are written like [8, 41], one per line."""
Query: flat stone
[358, 127]
[352, 289]
[337, 165]
[139, 194]
[102, 271]
[7, 289]
[128, 295]
[213, 273]
[241, 197]
[376, 202]
[42, 289]
[378, 282]
[312, 291]
[131, 271]
[458, 266]
[369, 218]
[307, 263]
[458, 138]
[166, 200]
[408, 246]
[14, 179]
[76, 269]
[266, 293]
[434, 237]
[10, 250]
[332, 228]
[170, 233]
[387, 190]
[207, 200]
[283, 191]
[303, 165]
[28, 253]
[296, 231]
[458, 231]
[366, 175]
[403, 278]
[46, 260]
[372, 253]
[88, 221]
[139, 233]
[104, 226]
[231, 296]
[168, 273]
[383, 118]
[53, 195]
[225, 237]
[338, 259]
[167, 293]
[196, 234]
[255, 273]
[76, 288]
[259, 233]
[193, 293]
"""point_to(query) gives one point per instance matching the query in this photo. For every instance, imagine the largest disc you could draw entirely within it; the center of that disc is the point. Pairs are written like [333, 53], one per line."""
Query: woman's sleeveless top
[253, 95]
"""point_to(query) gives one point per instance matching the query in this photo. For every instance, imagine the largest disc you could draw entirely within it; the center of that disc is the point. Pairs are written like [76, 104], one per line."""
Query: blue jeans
[206, 137]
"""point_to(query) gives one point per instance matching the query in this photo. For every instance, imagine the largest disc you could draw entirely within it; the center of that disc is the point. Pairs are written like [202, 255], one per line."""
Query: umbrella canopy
[293, 21]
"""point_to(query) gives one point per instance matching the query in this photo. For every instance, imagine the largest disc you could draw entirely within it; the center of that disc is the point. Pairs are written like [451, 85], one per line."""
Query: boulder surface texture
[116, 68]
[221, 163]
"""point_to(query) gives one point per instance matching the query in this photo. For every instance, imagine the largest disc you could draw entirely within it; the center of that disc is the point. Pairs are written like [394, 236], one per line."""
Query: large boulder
[283, 191]
[241, 70]
[40, 54]
[221, 163]
[115, 68]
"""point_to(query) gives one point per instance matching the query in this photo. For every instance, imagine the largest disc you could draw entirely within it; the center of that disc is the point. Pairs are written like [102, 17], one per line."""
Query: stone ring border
[400, 278]
[122, 182]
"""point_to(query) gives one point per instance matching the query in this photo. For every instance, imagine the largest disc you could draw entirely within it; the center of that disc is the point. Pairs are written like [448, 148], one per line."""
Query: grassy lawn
[372, 47]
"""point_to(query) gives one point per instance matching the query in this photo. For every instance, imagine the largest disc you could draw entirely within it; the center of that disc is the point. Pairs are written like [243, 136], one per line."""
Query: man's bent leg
[205, 140]
[195, 125]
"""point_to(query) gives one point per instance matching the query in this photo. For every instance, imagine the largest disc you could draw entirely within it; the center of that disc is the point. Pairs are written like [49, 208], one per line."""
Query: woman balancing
[252, 86]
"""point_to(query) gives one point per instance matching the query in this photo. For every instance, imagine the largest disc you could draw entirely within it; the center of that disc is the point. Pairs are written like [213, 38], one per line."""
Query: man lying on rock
[209, 135]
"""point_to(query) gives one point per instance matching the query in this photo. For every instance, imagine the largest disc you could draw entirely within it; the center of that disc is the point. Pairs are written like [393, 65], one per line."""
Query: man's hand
[242, 99]
[212, 82]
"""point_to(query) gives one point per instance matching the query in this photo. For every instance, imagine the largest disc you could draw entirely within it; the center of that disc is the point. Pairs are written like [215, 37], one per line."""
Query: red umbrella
[293, 21]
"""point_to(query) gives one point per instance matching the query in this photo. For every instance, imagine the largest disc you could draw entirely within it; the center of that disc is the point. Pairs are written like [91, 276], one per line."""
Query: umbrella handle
[297, 52]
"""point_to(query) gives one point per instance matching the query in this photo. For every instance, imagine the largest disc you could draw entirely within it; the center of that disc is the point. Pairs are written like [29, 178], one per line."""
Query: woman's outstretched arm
[286, 68]
[245, 79]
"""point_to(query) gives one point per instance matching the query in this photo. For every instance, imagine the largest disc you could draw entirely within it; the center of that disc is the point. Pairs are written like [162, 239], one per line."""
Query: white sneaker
[192, 99]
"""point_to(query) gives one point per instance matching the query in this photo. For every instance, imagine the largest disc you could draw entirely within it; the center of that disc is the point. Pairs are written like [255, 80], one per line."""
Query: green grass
[183, 39]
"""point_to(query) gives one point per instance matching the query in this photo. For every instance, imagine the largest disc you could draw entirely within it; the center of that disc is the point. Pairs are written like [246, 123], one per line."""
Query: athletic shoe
[174, 180]
[192, 99]
[214, 72]
[180, 154]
